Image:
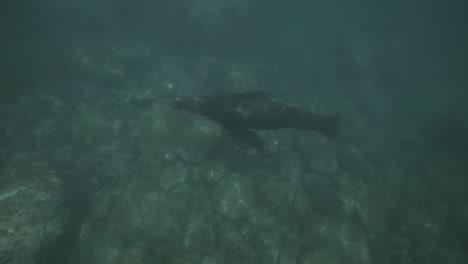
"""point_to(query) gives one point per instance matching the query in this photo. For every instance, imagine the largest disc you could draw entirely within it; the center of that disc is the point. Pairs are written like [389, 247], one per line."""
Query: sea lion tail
[329, 126]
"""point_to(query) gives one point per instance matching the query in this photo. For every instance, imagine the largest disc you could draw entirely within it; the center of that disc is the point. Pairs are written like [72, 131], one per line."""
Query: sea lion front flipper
[248, 137]
[256, 95]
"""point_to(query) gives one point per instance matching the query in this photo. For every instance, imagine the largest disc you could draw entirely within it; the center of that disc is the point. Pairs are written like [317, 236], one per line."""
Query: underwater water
[98, 164]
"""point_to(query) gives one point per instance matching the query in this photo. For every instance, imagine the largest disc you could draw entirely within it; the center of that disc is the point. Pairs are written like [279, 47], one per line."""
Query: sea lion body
[239, 113]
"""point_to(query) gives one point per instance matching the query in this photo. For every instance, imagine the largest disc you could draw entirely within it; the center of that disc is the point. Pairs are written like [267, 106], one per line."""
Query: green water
[97, 167]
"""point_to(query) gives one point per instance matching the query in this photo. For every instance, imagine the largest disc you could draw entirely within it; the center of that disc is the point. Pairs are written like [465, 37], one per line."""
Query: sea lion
[244, 112]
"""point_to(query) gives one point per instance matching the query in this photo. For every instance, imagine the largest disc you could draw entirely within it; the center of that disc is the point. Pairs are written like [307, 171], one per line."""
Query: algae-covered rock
[288, 166]
[318, 152]
[233, 197]
[368, 204]
[174, 176]
[31, 208]
[170, 135]
[322, 257]
[261, 218]
[268, 247]
[277, 193]
[213, 259]
[290, 248]
[135, 255]
[107, 164]
[213, 171]
[421, 220]
[97, 249]
[301, 203]
[424, 227]
[199, 234]
[142, 213]
[322, 198]
[449, 256]
[351, 160]
[91, 128]
[200, 140]
[346, 239]
[101, 206]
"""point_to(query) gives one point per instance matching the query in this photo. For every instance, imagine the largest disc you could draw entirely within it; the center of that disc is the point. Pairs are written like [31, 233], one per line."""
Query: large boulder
[233, 197]
[31, 208]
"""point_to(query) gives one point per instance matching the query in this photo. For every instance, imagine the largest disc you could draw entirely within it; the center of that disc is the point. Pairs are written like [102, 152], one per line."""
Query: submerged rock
[278, 193]
[319, 153]
[421, 218]
[351, 160]
[233, 197]
[199, 234]
[135, 255]
[98, 249]
[346, 239]
[290, 248]
[142, 213]
[31, 208]
[213, 171]
[268, 247]
[170, 136]
[173, 176]
[322, 257]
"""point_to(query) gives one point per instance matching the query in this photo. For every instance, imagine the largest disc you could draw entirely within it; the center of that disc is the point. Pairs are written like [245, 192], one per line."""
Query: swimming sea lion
[239, 113]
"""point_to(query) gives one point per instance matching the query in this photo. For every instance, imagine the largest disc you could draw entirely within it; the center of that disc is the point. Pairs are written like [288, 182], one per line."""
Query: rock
[142, 213]
[419, 216]
[401, 257]
[288, 166]
[233, 197]
[200, 140]
[106, 165]
[98, 249]
[174, 176]
[213, 171]
[135, 255]
[449, 256]
[318, 152]
[32, 214]
[367, 204]
[91, 128]
[171, 135]
[351, 160]
[101, 206]
[290, 248]
[236, 242]
[261, 218]
[199, 234]
[277, 193]
[301, 203]
[344, 238]
[322, 198]
[213, 259]
[161, 133]
[322, 257]
[268, 247]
